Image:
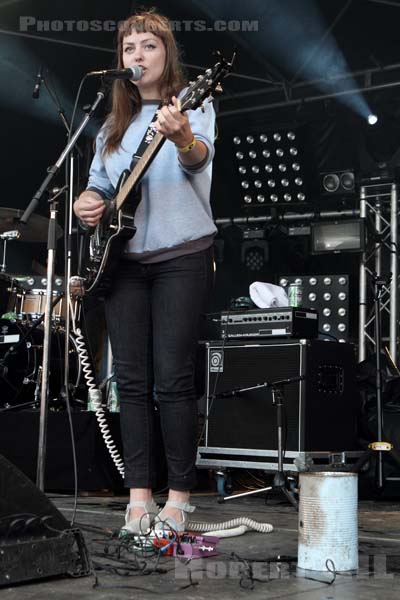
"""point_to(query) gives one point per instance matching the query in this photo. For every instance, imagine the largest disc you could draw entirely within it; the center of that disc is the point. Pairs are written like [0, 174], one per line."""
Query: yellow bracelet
[189, 147]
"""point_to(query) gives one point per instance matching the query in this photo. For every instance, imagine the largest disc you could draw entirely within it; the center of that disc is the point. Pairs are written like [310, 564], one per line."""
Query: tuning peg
[191, 82]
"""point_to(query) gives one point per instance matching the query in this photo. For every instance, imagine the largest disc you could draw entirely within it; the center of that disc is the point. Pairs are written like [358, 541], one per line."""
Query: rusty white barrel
[328, 527]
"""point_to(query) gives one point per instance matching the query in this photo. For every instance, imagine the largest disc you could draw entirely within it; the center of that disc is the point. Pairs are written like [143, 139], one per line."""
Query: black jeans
[152, 317]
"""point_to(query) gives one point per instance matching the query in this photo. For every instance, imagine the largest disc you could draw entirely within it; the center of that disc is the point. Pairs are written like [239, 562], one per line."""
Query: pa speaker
[36, 541]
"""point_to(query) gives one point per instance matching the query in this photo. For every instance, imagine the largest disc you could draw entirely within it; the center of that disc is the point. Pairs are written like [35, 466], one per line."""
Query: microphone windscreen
[137, 72]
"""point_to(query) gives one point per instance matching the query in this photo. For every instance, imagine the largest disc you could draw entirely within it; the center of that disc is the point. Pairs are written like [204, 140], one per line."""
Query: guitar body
[107, 241]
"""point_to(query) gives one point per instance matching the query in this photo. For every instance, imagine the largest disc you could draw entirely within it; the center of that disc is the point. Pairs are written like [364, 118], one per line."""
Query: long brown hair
[126, 99]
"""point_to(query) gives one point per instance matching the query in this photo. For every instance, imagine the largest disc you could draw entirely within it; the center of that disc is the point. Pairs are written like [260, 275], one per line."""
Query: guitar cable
[95, 397]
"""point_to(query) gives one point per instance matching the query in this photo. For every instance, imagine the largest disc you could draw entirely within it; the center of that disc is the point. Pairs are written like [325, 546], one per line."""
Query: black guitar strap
[146, 140]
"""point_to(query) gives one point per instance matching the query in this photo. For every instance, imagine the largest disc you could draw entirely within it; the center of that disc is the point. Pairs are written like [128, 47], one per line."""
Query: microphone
[38, 83]
[134, 73]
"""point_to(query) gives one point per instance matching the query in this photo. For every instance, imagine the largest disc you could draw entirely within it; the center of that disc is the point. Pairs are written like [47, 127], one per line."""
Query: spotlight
[372, 119]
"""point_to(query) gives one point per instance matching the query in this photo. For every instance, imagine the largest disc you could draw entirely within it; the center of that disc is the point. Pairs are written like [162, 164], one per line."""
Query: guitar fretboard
[140, 168]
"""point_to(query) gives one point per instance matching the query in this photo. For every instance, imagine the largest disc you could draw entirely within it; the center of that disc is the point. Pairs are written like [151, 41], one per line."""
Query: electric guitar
[117, 226]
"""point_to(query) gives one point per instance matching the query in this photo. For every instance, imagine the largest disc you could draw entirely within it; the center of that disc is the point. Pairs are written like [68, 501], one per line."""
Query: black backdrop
[33, 136]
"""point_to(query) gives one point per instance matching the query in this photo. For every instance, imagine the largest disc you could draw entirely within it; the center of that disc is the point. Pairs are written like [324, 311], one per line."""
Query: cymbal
[33, 231]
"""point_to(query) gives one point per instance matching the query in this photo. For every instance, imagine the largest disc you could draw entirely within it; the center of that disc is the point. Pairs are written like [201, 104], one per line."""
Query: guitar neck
[139, 169]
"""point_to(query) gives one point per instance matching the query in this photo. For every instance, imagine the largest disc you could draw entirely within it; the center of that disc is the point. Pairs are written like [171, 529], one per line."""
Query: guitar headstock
[206, 83]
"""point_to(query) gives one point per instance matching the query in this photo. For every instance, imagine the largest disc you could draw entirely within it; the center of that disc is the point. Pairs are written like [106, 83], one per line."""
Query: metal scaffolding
[378, 204]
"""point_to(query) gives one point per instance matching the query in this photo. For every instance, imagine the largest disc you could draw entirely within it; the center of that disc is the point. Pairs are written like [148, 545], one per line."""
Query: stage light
[338, 236]
[372, 119]
[270, 168]
[254, 250]
[329, 295]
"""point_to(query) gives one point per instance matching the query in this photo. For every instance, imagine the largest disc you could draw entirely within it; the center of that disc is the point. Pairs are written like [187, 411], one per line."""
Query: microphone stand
[280, 479]
[7, 236]
[51, 251]
[68, 235]
[54, 169]
[3, 264]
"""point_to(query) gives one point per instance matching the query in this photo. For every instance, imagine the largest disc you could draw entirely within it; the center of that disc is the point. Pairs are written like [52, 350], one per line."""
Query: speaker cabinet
[36, 541]
[320, 410]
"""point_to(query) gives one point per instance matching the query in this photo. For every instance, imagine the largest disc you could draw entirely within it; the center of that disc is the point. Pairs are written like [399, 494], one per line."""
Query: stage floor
[252, 569]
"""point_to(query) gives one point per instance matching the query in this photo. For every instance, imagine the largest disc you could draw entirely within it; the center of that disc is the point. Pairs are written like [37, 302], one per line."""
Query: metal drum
[328, 527]
[19, 367]
[31, 304]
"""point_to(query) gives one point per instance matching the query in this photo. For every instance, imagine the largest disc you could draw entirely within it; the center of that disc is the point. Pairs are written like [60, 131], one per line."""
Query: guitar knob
[218, 88]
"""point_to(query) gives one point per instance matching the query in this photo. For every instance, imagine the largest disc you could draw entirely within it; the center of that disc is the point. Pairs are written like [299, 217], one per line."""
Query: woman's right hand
[89, 208]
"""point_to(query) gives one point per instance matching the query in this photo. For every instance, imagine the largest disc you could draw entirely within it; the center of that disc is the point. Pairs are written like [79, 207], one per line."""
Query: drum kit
[22, 305]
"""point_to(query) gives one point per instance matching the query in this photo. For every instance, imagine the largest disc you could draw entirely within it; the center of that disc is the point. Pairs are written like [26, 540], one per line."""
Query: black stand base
[280, 483]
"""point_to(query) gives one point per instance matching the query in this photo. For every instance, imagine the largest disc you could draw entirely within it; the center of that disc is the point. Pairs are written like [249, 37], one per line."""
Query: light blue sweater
[174, 216]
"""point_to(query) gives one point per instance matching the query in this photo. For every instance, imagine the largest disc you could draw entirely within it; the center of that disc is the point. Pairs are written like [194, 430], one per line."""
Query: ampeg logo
[216, 361]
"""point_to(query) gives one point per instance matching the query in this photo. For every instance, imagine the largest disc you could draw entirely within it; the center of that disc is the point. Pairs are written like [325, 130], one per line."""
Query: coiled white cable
[95, 395]
[231, 528]
[85, 360]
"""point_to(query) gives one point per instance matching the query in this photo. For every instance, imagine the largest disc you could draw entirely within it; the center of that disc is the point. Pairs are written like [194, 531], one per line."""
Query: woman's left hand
[173, 124]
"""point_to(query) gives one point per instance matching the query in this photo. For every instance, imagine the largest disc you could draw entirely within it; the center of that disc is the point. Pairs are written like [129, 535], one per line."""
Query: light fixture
[372, 119]
[338, 236]
[270, 168]
[329, 295]
[254, 250]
